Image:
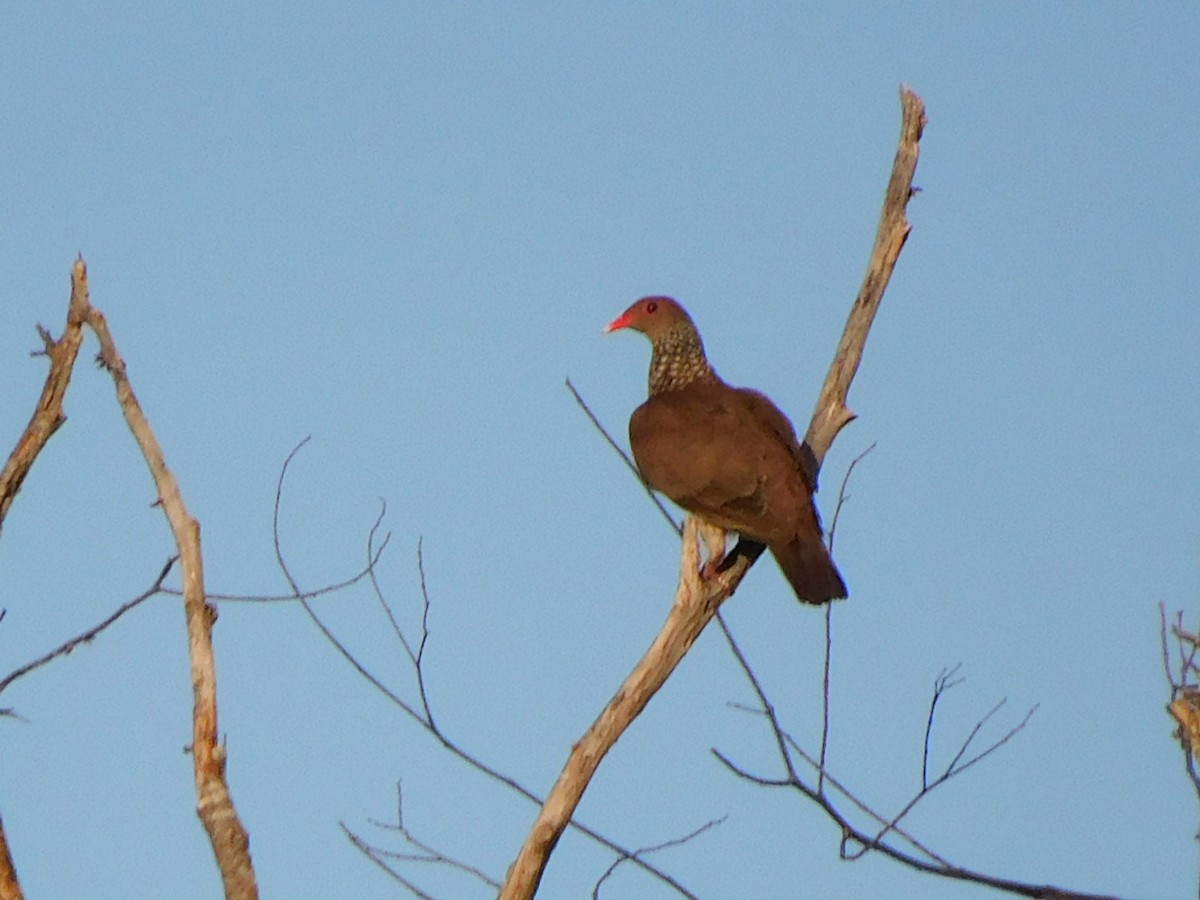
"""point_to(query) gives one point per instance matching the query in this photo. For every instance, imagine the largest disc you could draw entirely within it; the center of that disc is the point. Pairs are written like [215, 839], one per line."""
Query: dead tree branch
[48, 415]
[831, 414]
[696, 603]
[843, 499]
[230, 843]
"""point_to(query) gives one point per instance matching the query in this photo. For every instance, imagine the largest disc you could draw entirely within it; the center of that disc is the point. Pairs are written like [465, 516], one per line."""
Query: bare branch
[784, 741]
[47, 418]
[87, 636]
[299, 595]
[765, 707]
[1166, 653]
[843, 495]
[843, 498]
[419, 658]
[831, 413]
[230, 843]
[929, 861]
[48, 415]
[823, 800]
[372, 561]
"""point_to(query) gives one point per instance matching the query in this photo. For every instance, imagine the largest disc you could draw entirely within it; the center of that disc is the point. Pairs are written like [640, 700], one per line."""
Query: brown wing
[727, 455]
[774, 420]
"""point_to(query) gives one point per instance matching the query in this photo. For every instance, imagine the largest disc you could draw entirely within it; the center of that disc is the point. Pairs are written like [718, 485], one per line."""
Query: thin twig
[843, 495]
[843, 498]
[418, 660]
[952, 770]
[374, 856]
[823, 800]
[620, 451]
[1166, 653]
[941, 684]
[307, 595]
[937, 867]
[765, 706]
[675, 842]
[86, 636]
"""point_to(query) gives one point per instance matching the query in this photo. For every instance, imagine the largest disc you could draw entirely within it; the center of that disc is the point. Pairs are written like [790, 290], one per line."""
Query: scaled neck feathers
[678, 360]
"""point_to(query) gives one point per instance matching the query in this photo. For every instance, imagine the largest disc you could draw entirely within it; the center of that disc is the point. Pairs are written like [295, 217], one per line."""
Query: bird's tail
[809, 569]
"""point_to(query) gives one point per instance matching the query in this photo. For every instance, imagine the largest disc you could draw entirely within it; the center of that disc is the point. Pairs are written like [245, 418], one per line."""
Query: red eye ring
[652, 307]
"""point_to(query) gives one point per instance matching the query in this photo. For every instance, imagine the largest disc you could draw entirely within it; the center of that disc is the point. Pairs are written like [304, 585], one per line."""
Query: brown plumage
[726, 454]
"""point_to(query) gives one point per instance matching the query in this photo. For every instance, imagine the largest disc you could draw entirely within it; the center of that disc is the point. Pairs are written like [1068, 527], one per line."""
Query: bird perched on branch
[726, 454]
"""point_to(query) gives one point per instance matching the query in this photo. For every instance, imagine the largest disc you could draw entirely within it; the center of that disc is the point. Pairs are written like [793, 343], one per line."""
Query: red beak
[621, 321]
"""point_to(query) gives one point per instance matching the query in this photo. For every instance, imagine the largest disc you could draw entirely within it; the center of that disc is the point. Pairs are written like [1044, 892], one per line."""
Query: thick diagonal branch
[696, 602]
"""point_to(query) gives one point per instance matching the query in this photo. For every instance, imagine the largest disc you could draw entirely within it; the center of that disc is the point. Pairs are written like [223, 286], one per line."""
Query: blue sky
[400, 228]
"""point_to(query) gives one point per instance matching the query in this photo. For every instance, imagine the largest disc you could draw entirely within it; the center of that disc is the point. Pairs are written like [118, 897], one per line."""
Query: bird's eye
[651, 307]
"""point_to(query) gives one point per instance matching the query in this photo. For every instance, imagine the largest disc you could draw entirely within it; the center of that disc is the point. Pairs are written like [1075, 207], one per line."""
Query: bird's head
[654, 317]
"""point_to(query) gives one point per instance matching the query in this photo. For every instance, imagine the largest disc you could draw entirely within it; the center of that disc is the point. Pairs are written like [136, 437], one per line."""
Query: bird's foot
[711, 568]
